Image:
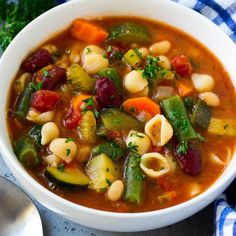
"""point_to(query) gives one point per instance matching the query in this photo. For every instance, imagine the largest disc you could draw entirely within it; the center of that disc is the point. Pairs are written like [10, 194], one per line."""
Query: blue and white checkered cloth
[222, 13]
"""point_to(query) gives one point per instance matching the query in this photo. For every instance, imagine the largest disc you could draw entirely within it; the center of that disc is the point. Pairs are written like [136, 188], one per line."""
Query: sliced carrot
[77, 101]
[143, 106]
[88, 32]
[185, 87]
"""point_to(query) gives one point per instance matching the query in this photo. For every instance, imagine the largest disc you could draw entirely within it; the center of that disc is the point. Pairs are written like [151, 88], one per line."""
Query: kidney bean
[190, 161]
[44, 100]
[182, 65]
[107, 94]
[50, 76]
[38, 60]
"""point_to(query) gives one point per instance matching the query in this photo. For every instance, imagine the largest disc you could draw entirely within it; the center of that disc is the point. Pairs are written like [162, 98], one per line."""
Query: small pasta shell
[40, 118]
[92, 49]
[52, 160]
[210, 98]
[215, 159]
[63, 148]
[159, 130]
[202, 82]
[140, 140]
[164, 62]
[115, 191]
[93, 63]
[134, 82]
[49, 132]
[157, 160]
[162, 47]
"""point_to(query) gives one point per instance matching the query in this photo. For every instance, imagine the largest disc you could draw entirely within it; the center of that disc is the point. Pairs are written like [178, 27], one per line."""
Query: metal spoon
[18, 214]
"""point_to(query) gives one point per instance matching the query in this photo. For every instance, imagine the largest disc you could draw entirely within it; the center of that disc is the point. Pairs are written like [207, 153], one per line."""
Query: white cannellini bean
[210, 98]
[202, 82]
[63, 148]
[49, 132]
[92, 49]
[93, 63]
[164, 62]
[51, 48]
[52, 160]
[20, 83]
[40, 118]
[115, 191]
[74, 57]
[144, 52]
[139, 139]
[134, 82]
[162, 47]
[161, 162]
[159, 130]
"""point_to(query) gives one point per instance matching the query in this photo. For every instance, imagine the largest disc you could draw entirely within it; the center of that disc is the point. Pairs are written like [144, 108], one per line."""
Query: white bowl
[56, 20]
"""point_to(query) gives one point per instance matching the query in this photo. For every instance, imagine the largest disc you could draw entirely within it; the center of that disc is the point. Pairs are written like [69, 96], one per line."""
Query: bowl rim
[16, 167]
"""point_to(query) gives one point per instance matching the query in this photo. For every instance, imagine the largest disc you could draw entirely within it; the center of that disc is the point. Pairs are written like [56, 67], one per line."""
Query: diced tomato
[78, 103]
[182, 65]
[44, 100]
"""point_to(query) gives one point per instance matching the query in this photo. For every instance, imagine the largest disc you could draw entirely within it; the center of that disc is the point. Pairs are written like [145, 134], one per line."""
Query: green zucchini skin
[35, 133]
[68, 178]
[176, 114]
[130, 32]
[113, 119]
[201, 114]
[134, 179]
[27, 151]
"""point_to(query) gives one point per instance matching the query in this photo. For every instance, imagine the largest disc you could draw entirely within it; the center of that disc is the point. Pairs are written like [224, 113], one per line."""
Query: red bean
[51, 76]
[38, 60]
[190, 161]
[107, 94]
[182, 65]
[44, 100]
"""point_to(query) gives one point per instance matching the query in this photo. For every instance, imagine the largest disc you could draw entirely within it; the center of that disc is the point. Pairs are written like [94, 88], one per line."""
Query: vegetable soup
[123, 114]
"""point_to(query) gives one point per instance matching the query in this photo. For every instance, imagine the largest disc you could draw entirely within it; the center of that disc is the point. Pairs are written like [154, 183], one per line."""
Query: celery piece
[132, 58]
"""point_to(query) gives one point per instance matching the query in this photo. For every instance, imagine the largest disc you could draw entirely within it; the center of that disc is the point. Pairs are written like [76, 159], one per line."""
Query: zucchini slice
[70, 177]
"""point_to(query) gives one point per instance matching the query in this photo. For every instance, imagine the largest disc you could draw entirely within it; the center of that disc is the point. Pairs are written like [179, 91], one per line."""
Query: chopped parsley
[132, 109]
[37, 86]
[104, 56]
[96, 113]
[137, 135]
[183, 147]
[45, 72]
[69, 140]
[138, 53]
[226, 126]
[68, 151]
[108, 182]
[88, 50]
[61, 167]
[132, 147]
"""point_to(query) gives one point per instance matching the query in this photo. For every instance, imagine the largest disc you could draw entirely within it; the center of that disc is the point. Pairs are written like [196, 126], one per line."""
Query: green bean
[134, 179]
[24, 103]
[175, 112]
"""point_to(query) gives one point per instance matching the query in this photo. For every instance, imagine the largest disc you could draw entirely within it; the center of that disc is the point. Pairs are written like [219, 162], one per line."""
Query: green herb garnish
[37, 86]
[45, 72]
[68, 151]
[61, 167]
[108, 182]
[132, 147]
[14, 16]
[69, 140]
